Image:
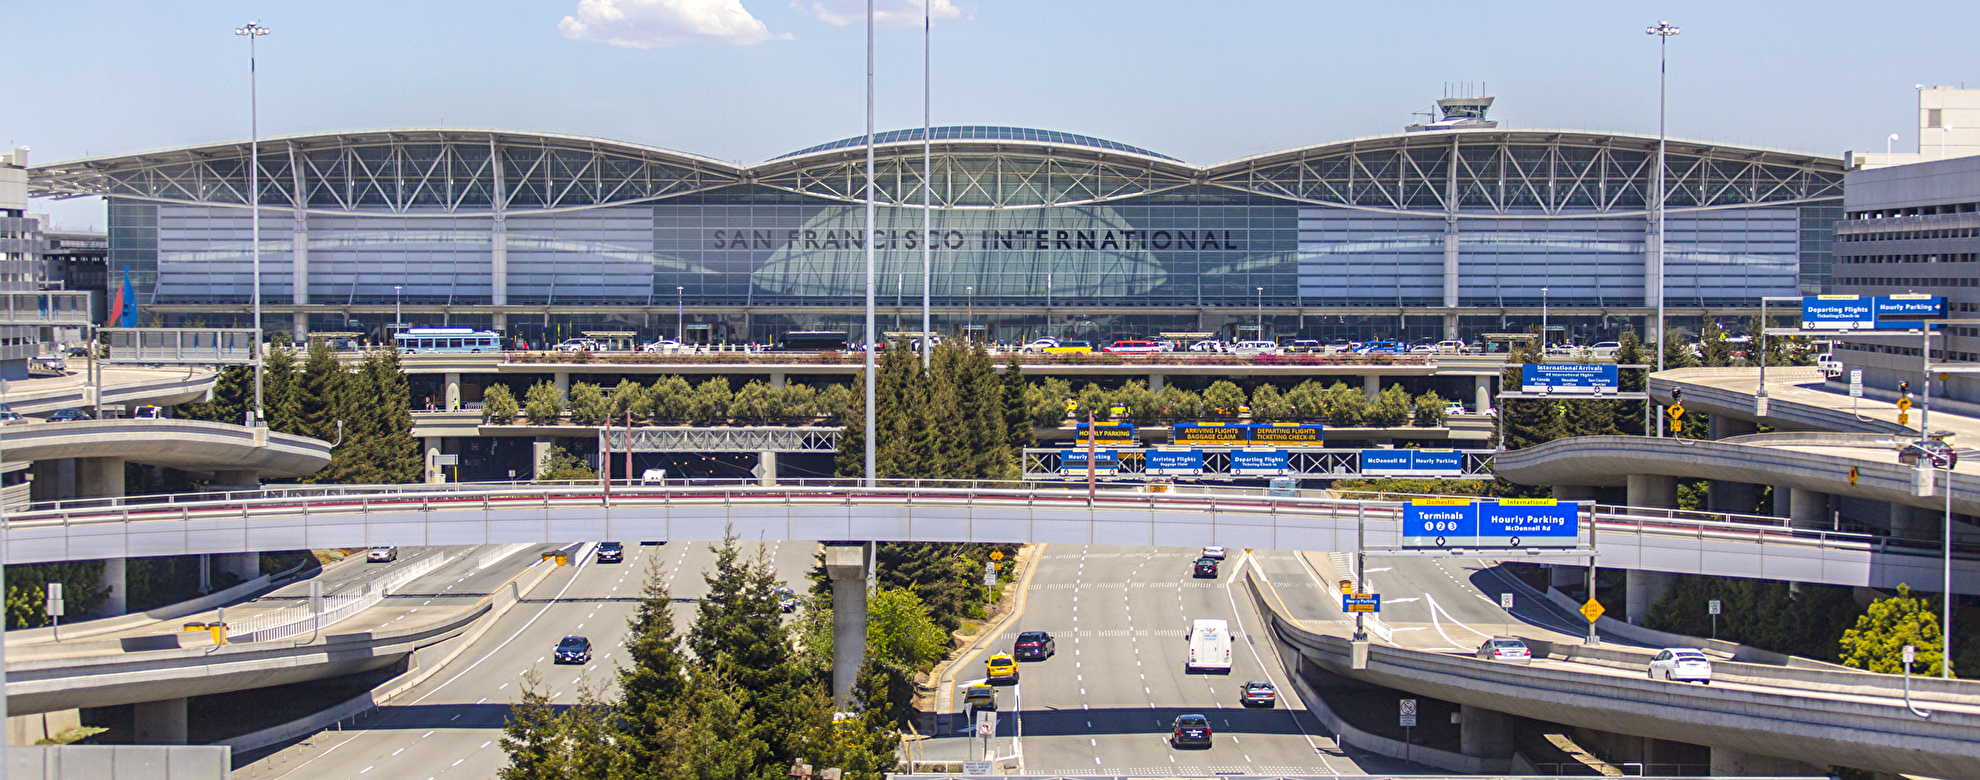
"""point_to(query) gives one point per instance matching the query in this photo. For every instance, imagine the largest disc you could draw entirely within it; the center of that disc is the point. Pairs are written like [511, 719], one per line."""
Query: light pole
[252, 31]
[1887, 147]
[680, 315]
[1664, 31]
[872, 454]
[969, 314]
[398, 320]
[927, 178]
[1543, 324]
[1261, 314]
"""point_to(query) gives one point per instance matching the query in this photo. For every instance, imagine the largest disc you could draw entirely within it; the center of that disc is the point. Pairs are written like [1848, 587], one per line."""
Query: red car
[1133, 348]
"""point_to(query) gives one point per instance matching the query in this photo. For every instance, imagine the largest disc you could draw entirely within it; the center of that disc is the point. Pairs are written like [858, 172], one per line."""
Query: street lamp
[680, 315]
[969, 314]
[927, 179]
[252, 31]
[398, 321]
[1543, 322]
[1663, 31]
[1261, 314]
[1887, 147]
[872, 455]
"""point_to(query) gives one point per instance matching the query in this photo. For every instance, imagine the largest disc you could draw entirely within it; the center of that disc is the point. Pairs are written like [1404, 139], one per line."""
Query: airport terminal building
[1446, 231]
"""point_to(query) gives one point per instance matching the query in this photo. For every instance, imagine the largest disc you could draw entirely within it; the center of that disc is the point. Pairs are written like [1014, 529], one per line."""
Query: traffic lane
[458, 584]
[1311, 599]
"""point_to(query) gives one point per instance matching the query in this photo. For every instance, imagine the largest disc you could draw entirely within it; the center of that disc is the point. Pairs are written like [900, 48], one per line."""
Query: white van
[1256, 348]
[1209, 647]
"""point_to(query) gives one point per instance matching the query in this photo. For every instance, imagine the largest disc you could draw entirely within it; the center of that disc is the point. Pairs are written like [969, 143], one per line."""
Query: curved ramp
[191, 445]
[1609, 460]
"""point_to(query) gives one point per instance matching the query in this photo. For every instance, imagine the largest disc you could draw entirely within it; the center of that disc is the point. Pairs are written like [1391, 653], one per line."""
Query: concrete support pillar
[1484, 733]
[539, 451]
[1652, 490]
[299, 324]
[766, 468]
[1481, 388]
[1450, 327]
[246, 566]
[1645, 588]
[1909, 522]
[160, 722]
[1723, 427]
[435, 473]
[1156, 382]
[1371, 385]
[113, 578]
[846, 566]
[1782, 505]
[453, 394]
[1807, 508]
[501, 323]
[1733, 763]
[1725, 496]
[1575, 492]
[99, 477]
[1566, 576]
[776, 379]
[54, 478]
[563, 380]
[236, 479]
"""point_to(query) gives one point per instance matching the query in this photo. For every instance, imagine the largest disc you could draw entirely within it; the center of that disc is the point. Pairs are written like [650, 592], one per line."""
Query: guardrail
[295, 621]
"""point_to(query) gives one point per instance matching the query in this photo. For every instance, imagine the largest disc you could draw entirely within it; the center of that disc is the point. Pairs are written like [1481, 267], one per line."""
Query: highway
[1088, 710]
[450, 725]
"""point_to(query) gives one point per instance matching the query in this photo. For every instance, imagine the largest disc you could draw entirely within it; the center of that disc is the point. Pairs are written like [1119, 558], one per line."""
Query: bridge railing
[295, 621]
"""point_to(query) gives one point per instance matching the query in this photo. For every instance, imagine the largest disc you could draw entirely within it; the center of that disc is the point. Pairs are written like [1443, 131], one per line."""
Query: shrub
[1429, 410]
[498, 405]
[588, 406]
[543, 404]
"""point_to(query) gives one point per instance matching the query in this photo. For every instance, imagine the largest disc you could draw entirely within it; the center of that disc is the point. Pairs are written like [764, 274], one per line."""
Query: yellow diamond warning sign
[1592, 610]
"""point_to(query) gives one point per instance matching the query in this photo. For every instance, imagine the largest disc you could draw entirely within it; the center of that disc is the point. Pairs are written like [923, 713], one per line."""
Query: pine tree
[738, 622]
[280, 382]
[543, 404]
[1017, 412]
[393, 455]
[986, 441]
[323, 394]
[851, 460]
[650, 687]
[533, 738]
[1628, 415]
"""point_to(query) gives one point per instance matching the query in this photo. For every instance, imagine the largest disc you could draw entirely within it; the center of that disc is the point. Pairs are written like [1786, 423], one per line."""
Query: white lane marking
[400, 750]
[485, 745]
[1413, 599]
[427, 734]
[457, 762]
[364, 770]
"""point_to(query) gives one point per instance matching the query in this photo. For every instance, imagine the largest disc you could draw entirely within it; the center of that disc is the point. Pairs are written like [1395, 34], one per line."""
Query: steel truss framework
[1509, 173]
[1043, 465]
[725, 439]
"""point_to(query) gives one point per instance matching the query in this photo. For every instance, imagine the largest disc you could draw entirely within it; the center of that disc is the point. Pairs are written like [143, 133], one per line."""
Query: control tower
[1458, 113]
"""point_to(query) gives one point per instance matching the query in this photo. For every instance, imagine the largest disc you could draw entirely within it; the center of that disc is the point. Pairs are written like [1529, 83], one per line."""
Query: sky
[747, 80]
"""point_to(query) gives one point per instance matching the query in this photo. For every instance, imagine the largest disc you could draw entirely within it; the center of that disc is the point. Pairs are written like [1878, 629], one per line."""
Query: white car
[382, 555]
[1041, 345]
[1605, 350]
[1505, 648]
[668, 346]
[1211, 345]
[1681, 664]
[1213, 552]
[578, 345]
[1255, 348]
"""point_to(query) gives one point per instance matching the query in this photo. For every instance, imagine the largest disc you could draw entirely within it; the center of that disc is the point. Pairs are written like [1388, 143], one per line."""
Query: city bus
[445, 340]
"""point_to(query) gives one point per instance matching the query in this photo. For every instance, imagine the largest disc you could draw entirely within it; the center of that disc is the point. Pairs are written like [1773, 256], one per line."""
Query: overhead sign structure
[1294, 434]
[1569, 378]
[1210, 433]
[1173, 463]
[1108, 432]
[1857, 312]
[1361, 602]
[1259, 463]
[1451, 523]
[1412, 463]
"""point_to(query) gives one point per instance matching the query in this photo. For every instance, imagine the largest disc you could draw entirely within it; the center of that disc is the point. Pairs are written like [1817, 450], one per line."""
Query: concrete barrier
[118, 762]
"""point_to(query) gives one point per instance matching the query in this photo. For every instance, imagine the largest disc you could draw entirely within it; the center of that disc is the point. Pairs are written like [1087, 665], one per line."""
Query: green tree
[1346, 407]
[1138, 402]
[709, 404]
[1094, 400]
[561, 465]
[1798, 619]
[656, 677]
[667, 400]
[1047, 402]
[752, 405]
[1679, 352]
[588, 404]
[1877, 642]
[533, 737]
[1391, 409]
[1713, 348]
[1268, 405]
[834, 401]
[898, 628]
[1527, 422]
[851, 459]
[1178, 404]
[498, 405]
[795, 402]
[1017, 407]
[1308, 400]
[628, 398]
[27, 589]
[738, 622]
[1223, 398]
[1628, 415]
[1429, 410]
[281, 378]
[543, 404]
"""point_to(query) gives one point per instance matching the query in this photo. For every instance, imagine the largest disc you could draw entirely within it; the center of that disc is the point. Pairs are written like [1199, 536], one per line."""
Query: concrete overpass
[198, 446]
[127, 386]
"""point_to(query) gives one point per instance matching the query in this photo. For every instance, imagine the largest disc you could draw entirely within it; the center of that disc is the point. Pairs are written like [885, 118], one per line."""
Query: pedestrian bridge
[317, 517]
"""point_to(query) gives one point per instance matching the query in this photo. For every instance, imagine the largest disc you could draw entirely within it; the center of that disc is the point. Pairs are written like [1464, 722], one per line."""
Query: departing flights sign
[1281, 434]
[1567, 378]
[1259, 463]
[1510, 522]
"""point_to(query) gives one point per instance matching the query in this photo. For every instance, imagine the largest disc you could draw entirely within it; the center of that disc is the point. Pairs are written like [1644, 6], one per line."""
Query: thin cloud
[645, 24]
[892, 14]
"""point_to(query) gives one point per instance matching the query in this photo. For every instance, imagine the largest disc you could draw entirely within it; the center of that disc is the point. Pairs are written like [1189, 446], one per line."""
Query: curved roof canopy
[1484, 172]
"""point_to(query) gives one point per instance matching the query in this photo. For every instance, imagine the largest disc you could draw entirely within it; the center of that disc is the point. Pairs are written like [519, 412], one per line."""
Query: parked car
[611, 552]
[70, 414]
[1505, 648]
[578, 345]
[1205, 567]
[147, 413]
[1133, 347]
[1605, 350]
[1258, 693]
[1681, 664]
[1069, 348]
[1379, 348]
[573, 650]
[668, 346]
[1255, 348]
[1034, 646]
[1207, 345]
[1191, 731]
[382, 555]
[1450, 347]
[1040, 345]
[1306, 346]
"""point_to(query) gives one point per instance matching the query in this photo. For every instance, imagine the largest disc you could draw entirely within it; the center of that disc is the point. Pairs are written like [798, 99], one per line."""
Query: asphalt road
[1105, 703]
[450, 725]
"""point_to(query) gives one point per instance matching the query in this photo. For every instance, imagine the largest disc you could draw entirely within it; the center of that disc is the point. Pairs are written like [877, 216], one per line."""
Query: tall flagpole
[252, 31]
[871, 432]
[927, 179]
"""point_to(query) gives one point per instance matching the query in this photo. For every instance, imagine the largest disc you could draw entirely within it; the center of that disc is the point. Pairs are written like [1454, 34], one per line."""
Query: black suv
[611, 552]
[1191, 731]
[1206, 567]
[573, 650]
[1034, 646]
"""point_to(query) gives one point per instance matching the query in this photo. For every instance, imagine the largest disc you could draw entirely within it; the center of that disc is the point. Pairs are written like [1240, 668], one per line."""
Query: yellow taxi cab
[1003, 668]
[981, 697]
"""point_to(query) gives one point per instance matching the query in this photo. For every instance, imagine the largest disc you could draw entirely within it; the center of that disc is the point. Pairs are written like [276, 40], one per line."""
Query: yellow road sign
[1852, 475]
[1592, 610]
[1677, 410]
[996, 555]
[1904, 404]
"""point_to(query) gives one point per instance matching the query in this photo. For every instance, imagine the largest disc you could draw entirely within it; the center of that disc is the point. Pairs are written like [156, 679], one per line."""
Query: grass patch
[72, 736]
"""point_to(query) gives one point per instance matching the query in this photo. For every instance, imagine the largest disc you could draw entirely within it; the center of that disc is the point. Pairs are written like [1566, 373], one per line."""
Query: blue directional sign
[1361, 602]
[1173, 463]
[1907, 311]
[1074, 461]
[1436, 463]
[1529, 522]
[1440, 522]
[1385, 463]
[1259, 463]
[1567, 378]
[1852, 312]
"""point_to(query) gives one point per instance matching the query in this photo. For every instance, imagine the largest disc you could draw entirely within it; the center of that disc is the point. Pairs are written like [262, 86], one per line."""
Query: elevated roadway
[317, 518]
[120, 385]
[189, 445]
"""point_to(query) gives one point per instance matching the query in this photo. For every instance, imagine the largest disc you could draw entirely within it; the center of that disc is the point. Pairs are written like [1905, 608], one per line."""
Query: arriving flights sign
[1857, 312]
[1509, 522]
[1173, 463]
